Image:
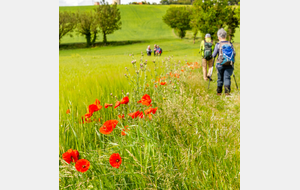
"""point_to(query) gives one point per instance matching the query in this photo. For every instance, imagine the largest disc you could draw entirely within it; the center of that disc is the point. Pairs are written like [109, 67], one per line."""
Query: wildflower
[88, 115]
[125, 100]
[68, 111]
[146, 100]
[117, 104]
[108, 127]
[82, 165]
[71, 156]
[150, 110]
[106, 105]
[124, 130]
[115, 160]
[127, 94]
[121, 116]
[136, 114]
[162, 83]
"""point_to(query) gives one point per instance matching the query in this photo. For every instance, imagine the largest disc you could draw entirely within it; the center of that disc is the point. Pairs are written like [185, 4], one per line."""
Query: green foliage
[108, 18]
[67, 23]
[210, 15]
[233, 21]
[87, 26]
[233, 2]
[178, 18]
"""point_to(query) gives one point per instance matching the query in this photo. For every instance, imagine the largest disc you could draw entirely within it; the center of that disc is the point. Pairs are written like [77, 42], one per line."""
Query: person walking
[154, 49]
[206, 48]
[225, 62]
[149, 51]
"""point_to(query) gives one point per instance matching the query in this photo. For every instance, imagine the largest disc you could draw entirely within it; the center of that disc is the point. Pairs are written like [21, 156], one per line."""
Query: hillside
[139, 22]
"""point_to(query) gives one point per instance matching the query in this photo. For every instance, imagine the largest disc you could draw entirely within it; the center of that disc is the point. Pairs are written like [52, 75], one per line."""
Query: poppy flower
[88, 115]
[108, 127]
[146, 100]
[163, 83]
[121, 116]
[106, 105]
[134, 114]
[93, 108]
[82, 165]
[141, 115]
[125, 100]
[117, 104]
[71, 156]
[124, 130]
[68, 111]
[115, 160]
[155, 86]
[150, 110]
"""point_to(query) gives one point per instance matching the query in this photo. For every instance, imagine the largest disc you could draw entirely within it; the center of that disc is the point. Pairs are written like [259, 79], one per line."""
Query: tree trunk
[104, 38]
[94, 38]
[88, 39]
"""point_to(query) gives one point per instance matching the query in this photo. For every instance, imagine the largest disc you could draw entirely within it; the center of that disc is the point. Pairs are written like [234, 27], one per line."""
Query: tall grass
[192, 142]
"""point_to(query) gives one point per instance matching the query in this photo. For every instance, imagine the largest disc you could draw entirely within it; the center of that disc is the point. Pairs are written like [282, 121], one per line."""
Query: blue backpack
[226, 54]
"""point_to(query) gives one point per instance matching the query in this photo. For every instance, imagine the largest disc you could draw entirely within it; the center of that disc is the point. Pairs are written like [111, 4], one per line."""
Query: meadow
[191, 142]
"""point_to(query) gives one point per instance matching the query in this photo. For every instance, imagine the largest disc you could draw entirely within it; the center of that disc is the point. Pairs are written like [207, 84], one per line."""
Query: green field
[193, 140]
[139, 22]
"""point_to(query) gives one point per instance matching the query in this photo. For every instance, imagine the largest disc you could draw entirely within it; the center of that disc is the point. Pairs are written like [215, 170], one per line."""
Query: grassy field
[139, 22]
[192, 141]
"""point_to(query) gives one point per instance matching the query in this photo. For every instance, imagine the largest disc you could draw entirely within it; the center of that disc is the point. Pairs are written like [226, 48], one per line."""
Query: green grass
[142, 23]
[192, 142]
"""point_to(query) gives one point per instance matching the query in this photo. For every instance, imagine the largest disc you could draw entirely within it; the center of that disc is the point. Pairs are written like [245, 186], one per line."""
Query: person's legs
[204, 66]
[220, 80]
[227, 78]
[210, 65]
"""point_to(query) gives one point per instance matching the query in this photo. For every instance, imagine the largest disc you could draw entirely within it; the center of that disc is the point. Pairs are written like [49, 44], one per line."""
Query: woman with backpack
[224, 63]
[206, 47]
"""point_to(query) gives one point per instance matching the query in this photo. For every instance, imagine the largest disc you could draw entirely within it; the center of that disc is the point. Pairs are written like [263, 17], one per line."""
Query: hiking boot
[219, 89]
[227, 89]
[228, 95]
[219, 94]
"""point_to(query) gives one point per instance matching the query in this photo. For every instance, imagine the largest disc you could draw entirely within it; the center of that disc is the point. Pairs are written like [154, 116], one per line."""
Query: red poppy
[93, 108]
[134, 114]
[115, 160]
[106, 105]
[141, 115]
[82, 165]
[68, 111]
[150, 110]
[155, 86]
[162, 83]
[88, 115]
[182, 70]
[117, 104]
[124, 130]
[121, 116]
[108, 127]
[125, 100]
[146, 100]
[71, 156]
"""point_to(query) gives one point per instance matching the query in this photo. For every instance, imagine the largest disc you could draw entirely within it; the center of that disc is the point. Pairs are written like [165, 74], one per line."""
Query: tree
[210, 15]
[233, 2]
[108, 18]
[233, 21]
[195, 30]
[178, 18]
[67, 23]
[87, 26]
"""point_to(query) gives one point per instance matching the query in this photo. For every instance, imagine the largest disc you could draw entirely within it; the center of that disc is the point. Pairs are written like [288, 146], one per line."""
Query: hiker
[154, 49]
[149, 51]
[224, 63]
[158, 50]
[206, 48]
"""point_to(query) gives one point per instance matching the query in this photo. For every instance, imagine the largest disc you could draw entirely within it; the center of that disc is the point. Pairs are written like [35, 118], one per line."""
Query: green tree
[178, 18]
[87, 26]
[210, 15]
[233, 21]
[67, 23]
[108, 18]
[233, 2]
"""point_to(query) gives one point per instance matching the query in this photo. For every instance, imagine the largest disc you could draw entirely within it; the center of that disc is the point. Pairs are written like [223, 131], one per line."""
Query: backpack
[207, 50]
[226, 53]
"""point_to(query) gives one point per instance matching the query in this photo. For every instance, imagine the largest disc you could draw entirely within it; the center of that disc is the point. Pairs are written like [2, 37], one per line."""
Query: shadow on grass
[97, 44]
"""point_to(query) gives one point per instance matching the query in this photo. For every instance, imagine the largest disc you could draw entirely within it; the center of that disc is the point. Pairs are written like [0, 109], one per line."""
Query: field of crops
[192, 140]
